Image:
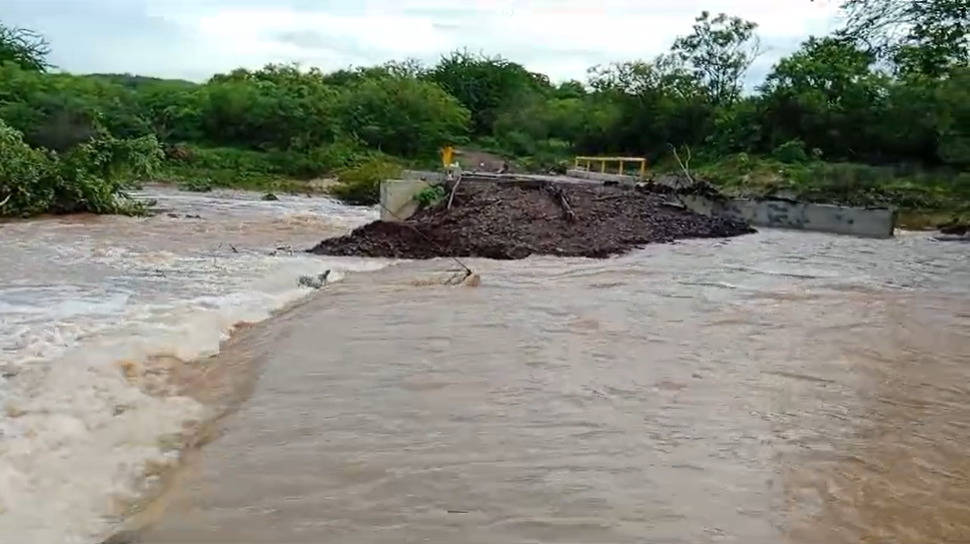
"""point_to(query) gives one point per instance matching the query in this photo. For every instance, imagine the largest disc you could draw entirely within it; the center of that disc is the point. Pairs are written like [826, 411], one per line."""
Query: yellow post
[446, 154]
[620, 168]
[603, 166]
[643, 168]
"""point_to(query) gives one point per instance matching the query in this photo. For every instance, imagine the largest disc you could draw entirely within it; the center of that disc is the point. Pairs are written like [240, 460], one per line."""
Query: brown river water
[781, 387]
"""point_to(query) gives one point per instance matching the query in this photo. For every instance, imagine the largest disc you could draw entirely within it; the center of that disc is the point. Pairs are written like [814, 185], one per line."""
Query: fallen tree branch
[559, 196]
[2, 204]
[451, 197]
[685, 167]
[564, 203]
[458, 277]
[696, 187]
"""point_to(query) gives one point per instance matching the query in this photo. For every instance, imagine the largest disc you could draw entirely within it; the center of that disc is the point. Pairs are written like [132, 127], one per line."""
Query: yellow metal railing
[587, 162]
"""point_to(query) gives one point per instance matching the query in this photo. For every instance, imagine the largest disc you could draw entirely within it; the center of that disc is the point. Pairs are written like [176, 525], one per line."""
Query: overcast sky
[193, 39]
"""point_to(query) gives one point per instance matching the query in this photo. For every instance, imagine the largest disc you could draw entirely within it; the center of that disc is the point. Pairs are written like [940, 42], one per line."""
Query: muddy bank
[512, 220]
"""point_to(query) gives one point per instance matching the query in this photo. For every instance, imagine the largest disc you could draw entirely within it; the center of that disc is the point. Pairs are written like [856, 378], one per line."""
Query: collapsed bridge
[582, 214]
[512, 217]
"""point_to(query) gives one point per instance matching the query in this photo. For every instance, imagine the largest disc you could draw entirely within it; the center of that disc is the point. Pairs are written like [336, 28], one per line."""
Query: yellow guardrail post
[446, 155]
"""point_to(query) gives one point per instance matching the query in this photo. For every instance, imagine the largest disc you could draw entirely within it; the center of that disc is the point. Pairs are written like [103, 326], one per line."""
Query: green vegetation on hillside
[836, 121]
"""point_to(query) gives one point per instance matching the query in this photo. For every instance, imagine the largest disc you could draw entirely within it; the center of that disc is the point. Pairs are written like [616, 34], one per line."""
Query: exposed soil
[512, 220]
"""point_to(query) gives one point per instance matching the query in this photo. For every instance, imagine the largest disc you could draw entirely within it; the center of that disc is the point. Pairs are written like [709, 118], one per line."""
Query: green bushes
[361, 184]
[195, 167]
[404, 117]
[203, 168]
[27, 176]
[430, 196]
[92, 177]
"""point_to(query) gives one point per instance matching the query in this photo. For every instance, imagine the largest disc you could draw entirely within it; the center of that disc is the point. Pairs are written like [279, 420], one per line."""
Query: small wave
[801, 273]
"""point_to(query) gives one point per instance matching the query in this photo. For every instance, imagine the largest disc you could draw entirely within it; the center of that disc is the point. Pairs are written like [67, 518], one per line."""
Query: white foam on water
[75, 433]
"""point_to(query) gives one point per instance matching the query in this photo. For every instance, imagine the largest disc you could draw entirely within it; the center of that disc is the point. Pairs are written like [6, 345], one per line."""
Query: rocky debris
[514, 219]
[953, 231]
[681, 185]
[954, 228]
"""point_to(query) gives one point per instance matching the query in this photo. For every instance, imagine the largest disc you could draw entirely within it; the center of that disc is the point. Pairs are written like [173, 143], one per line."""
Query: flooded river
[776, 388]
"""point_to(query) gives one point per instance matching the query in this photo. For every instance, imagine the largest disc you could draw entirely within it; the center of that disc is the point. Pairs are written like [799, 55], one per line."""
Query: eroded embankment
[512, 220]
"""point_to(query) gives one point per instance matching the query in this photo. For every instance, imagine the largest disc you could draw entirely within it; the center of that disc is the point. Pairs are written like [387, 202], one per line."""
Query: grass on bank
[923, 198]
[202, 169]
[356, 174]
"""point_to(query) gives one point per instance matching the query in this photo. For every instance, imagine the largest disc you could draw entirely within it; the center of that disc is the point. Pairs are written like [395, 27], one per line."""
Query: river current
[781, 387]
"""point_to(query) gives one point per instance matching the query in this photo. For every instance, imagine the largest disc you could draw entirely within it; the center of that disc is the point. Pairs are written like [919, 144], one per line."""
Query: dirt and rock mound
[512, 220]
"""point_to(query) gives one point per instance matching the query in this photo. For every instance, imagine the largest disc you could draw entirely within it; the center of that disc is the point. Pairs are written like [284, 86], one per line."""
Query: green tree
[718, 52]
[653, 104]
[24, 48]
[403, 116]
[277, 107]
[485, 85]
[826, 95]
[58, 111]
[923, 36]
[952, 100]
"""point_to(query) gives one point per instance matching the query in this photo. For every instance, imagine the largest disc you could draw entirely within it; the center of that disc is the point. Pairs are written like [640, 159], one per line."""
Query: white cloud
[558, 37]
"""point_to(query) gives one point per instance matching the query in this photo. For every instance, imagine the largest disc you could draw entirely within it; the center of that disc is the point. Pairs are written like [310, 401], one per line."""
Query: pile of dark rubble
[512, 220]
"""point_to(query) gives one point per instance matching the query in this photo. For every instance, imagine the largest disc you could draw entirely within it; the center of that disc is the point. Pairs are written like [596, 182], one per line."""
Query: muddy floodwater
[779, 387]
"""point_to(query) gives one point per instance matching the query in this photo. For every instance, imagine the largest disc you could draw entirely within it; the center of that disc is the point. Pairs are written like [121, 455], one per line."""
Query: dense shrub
[361, 184]
[94, 176]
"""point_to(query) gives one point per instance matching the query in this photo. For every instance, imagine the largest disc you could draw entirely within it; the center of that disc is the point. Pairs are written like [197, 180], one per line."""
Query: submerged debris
[317, 282]
[515, 219]
[954, 228]
[281, 251]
